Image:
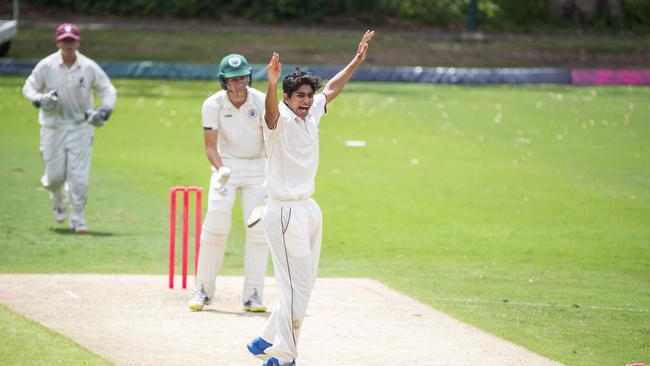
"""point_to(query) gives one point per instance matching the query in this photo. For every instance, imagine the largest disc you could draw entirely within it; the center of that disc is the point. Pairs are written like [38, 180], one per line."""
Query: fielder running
[292, 220]
[61, 86]
[234, 145]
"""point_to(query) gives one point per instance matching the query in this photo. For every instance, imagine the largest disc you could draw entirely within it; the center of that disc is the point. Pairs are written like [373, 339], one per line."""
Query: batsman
[234, 144]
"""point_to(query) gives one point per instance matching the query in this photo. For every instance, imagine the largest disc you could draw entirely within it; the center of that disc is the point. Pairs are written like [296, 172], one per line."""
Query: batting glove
[224, 176]
[99, 116]
[47, 101]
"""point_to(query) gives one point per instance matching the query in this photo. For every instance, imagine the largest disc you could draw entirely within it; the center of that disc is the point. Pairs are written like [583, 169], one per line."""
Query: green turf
[26, 342]
[520, 209]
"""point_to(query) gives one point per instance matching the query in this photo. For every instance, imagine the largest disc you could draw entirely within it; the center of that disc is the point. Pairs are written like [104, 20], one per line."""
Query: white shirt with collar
[240, 129]
[292, 149]
[74, 86]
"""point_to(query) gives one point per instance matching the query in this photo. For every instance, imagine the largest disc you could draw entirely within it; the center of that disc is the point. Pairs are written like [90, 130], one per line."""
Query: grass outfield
[520, 209]
[25, 342]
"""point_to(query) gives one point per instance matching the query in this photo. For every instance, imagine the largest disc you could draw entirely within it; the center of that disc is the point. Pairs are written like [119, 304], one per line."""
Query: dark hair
[298, 78]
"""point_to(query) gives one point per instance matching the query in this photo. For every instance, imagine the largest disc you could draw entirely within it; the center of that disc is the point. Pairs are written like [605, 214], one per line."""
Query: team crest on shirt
[252, 113]
[81, 82]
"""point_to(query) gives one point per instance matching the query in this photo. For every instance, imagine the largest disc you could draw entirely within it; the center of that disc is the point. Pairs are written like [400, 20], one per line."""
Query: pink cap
[67, 30]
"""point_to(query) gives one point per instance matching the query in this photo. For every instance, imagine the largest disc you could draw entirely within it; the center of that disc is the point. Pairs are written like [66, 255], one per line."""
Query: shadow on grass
[66, 231]
[241, 314]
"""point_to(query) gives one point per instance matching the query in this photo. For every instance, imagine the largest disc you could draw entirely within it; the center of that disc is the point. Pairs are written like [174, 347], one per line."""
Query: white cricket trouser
[247, 177]
[67, 153]
[294, 230]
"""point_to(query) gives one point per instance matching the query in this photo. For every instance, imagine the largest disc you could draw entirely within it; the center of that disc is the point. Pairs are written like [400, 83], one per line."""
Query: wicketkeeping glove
[99, 116]
[47, 101]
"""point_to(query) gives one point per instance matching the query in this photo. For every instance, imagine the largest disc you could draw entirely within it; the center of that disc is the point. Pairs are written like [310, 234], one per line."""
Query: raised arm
[336, 84]
[273, 70]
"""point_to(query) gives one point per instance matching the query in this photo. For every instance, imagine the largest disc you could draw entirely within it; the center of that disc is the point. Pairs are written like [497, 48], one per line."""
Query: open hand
[363, 46]
[274, 69]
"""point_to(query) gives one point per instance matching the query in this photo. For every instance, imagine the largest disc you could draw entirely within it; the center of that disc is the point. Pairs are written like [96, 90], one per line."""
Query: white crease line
[546, 305]
[72, 294]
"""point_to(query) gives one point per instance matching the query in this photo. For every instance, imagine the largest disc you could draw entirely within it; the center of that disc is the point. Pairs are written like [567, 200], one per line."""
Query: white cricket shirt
[240, 130]
[74, 86]
[292, 152]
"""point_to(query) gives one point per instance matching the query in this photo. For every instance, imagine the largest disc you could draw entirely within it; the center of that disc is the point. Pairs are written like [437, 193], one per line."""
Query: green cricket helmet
[233, 66]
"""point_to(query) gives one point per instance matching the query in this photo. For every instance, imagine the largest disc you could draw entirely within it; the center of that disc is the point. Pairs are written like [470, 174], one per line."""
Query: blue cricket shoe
[257, 347]
[274, 362]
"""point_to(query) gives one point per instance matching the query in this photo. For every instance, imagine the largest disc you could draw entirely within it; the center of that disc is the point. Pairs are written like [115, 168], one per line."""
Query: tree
[585, 10]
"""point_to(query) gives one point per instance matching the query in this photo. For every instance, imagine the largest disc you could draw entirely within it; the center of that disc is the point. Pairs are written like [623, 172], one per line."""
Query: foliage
[637, 12]
[429, 11]
[507, 13]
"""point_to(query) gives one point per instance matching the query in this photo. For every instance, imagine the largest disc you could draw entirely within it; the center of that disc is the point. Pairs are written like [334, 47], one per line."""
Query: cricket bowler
[292, 220]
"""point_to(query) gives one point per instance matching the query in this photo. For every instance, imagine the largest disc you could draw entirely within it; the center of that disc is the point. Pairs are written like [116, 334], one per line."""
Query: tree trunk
[585, 9]
[561, 9]
[615, 8]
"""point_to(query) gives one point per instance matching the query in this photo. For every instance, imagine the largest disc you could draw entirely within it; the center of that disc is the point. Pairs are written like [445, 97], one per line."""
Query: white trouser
[247, 177]
[66, 153]
[294, 231]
